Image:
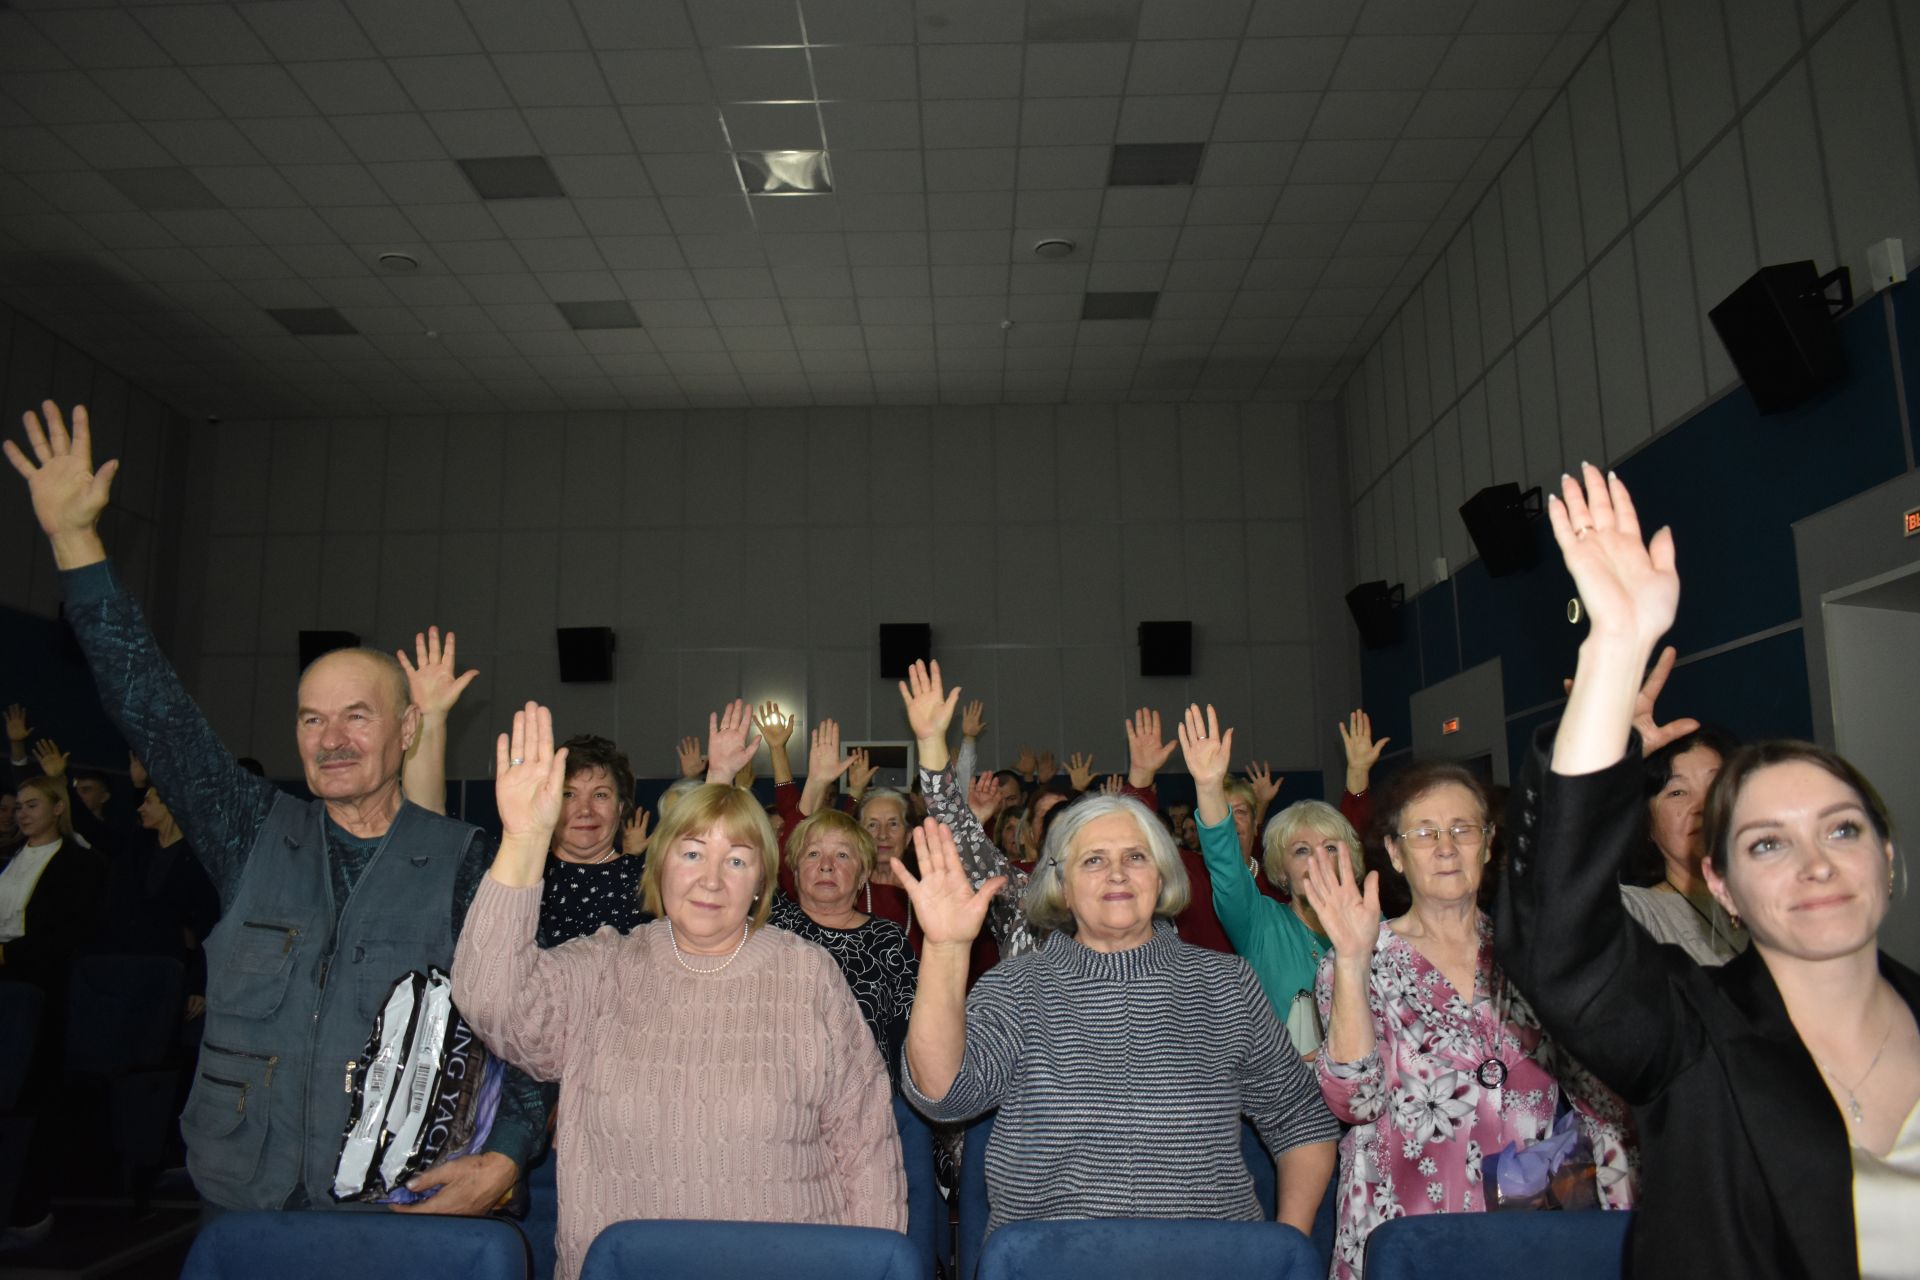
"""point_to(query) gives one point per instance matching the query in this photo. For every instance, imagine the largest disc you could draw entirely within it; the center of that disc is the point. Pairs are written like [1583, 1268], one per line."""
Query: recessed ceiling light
[398, 262]
[1054, 247]
[784, 173]
[614, 314]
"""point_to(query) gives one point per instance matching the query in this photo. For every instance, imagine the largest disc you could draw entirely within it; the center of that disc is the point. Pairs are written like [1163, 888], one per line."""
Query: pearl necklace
[675, 944]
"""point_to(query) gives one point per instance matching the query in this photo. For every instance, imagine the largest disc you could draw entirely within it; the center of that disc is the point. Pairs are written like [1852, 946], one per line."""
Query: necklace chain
[1853, 1102]
[674, 942]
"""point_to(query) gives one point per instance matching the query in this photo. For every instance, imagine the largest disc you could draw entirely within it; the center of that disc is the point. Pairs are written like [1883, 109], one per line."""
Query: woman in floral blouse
[1432, 1057]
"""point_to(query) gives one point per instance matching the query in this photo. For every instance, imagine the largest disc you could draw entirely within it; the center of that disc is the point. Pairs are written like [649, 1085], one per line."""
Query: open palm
[948, 907]
[1629, 584]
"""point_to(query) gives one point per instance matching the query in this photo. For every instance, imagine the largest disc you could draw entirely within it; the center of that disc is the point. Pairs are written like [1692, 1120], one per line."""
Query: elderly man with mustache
[324, 902]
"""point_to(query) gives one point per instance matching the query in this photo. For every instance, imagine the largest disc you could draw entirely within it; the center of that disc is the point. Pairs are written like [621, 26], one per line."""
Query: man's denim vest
[294, 982]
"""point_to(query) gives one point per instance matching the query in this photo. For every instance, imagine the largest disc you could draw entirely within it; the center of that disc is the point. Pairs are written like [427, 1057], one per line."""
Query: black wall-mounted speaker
[901, 645]
[1499, 520]
[1166, 648]
[586, 654]
[1778, 329]
[1376, 611]
[315, 643]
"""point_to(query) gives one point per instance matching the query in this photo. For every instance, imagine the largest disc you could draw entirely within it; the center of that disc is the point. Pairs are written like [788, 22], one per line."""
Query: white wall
[1567, 320]
[129, 424]
[754, 553]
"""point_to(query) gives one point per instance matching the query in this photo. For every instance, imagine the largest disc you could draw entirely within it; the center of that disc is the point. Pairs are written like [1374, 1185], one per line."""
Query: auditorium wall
[754, 553]
[1567, 320]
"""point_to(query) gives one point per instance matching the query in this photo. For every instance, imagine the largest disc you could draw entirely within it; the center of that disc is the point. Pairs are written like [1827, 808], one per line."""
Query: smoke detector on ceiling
[1053, 247]
[398, 262]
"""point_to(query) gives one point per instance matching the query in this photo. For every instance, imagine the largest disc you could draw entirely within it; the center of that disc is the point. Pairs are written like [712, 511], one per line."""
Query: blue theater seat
[543, 1213]
[926, 1211]
[1482, 1246]
[1148, 1249]
[322, 1245]
[682, 1250]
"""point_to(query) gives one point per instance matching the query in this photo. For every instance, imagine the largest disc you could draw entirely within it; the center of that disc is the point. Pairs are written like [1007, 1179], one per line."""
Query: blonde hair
[673, 795]
[1308, 815]
[1045, 899]
[830, 822]
[1239, 790]
[54, 792]
[739, 816]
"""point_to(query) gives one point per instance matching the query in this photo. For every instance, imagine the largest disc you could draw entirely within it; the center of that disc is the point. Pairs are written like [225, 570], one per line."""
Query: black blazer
[1745, 1167]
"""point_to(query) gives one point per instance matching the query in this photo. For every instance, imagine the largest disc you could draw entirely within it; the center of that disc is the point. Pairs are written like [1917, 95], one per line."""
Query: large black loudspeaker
[315, 643]
[1497, 520]
[1778, 328]
[1166, 648]
[586, 654]
[901, 645]
[1376, 611]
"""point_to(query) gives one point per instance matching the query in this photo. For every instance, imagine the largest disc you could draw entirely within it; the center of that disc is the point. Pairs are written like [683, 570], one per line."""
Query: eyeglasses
[1466, 835]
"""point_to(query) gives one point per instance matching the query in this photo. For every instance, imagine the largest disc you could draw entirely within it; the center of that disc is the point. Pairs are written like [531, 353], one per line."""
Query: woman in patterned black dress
[593, 871]
[832, 857]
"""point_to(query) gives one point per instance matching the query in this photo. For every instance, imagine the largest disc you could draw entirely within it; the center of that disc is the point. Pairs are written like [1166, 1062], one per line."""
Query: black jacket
[1746, 1168]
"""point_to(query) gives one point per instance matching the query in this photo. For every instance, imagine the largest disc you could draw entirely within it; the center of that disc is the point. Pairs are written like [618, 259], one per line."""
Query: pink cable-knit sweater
[752, 1094]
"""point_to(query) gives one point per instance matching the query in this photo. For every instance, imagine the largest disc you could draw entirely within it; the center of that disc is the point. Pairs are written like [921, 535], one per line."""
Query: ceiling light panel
[1118, 306]
[1155, 164]
[169, 187]
[613, 314]
[785, 173]
[512, 177]
[312, 321]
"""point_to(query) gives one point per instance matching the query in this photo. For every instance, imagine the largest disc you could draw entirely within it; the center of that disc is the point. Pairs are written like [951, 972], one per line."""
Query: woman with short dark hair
[1679, 908]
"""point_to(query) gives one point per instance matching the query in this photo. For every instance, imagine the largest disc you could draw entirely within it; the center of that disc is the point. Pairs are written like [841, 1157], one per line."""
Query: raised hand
[1024, 765]
[68, 494]
[983, 798]
[1207, 749]
[973, 721]
[18, 730]
[1265, 785]
[950, 910]
[929, 703]
[634, 835]
[1349, 912]
[53, 761]
[1629, 584]
[1113, 786]
[1046, 768]
[1362, 748]
[1080, 771]
[774, 728]
[431, 679]
[529, 777]
[136, 772]
[731, 742]
[1147, 754]
[860, 772]
[693, 761]
[1654, 735]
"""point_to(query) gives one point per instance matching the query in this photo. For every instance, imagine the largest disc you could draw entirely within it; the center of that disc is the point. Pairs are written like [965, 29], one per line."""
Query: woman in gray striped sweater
[1121, 1058]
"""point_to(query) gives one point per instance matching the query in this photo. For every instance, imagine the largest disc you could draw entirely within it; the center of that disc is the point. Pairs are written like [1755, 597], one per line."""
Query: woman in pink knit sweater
[710, 1067]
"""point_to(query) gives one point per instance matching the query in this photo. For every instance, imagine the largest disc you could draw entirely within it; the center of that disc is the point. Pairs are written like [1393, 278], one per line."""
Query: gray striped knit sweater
[1121, 1078]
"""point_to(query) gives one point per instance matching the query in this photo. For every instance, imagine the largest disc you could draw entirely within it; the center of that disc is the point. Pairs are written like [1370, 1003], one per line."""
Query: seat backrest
[322, 1245]
[1470, 1246]
[543, 1214]
[926, 1211]
[1148, 1249]
[20, 1004]
[123, 1012]
[674, 1249]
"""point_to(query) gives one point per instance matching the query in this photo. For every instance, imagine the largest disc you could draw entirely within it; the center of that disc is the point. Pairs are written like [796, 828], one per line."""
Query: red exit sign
[1451, 725]
[1910, 523]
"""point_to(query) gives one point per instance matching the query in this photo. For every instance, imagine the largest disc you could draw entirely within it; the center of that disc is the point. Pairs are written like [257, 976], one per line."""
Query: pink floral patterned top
[1422, 1118]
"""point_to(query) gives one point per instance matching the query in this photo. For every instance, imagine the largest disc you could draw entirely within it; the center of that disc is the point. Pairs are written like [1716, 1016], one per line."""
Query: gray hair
[886, 793]
[674, 794]
[1045, 899]
[1308, 815]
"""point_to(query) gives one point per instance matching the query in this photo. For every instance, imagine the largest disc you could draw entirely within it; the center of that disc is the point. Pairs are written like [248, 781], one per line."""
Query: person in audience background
[1283, 944]
[1680, 908]
[1776, 1093]
[709, 1067]
[831, 858]
[300, 882]
[1177, 1040]
[1431, 1053]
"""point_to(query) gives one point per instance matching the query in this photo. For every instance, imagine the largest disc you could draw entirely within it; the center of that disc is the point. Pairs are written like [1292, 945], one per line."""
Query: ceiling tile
[1339, 161]
[866, 72]
[970, 123]
[1420, 17]
[578, 130]
[656, 75]
[693, 215]
[759, 75]
[553, 79]
[1285, 66]
[119, 145]
[521, 26]
[1075, 70]
[658, 129]
[389, 138]
[202, 35]
[1259, 117]
[1061, 122]
[531, 219]
[970, 71]
[1145, 206]
[1057, 168]
[405, 28]
[249, 186]
[757, 127]
[347, 88]
[875, 126]
[841, 310]
[457, 82]
[1363, 115]
[61, 97]
[1180, 66]
[1492, 61]
[422, 182]
[740, 22]
[1167, 118]
[635, 24]
[559, 253]
[1303, 17]
[307, 30]
[1460, 113]
[1389, 62]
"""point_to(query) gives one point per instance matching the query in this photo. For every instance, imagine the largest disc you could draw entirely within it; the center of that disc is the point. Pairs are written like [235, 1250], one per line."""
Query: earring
[1734, 916]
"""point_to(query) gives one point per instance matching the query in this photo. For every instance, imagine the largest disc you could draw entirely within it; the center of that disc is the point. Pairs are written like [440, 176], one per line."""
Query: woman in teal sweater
[1283, 942]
